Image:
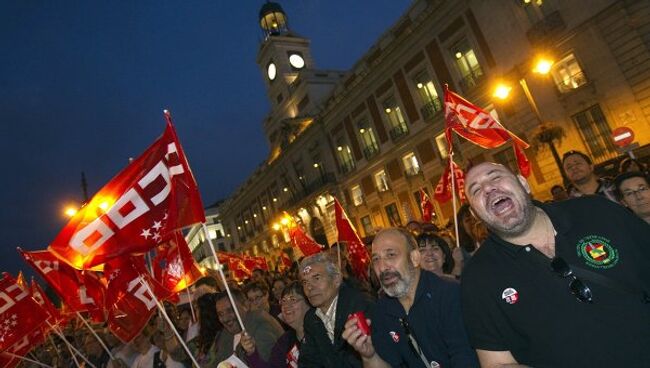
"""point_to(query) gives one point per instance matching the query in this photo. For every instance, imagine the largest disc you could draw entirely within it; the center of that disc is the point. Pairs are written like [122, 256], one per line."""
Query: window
[357, 195]
[344, 155]
[368, 139]
[428, 95]
[536, 10]
[467, 64]
[395, 118]
[393, 215]
[595, 133]
[367, 225]
[441, 143]
[381, 181]
[567, 74]
[411, 164]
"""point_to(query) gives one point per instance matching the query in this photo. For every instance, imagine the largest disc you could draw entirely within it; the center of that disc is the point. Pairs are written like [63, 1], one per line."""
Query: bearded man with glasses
[562, 284]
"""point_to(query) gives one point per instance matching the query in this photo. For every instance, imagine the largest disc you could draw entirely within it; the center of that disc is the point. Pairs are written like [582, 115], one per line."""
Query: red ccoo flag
[42, 300]
[153, 196]
[128, 300]
[443, 189]
[479, 127]
[302, 241]
[426, 206]
[359, 259]
[80, 291]
[174, 267]
[20, 315]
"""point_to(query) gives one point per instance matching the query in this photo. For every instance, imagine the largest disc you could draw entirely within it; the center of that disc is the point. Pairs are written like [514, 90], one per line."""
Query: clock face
[271, 71]
[296, 61]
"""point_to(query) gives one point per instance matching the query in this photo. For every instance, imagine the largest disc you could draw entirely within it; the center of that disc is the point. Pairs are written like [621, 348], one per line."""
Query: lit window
[395, 118]
[428, 95]
[411, 164]
[381, 181]
[467, 64]
[366, 223]
[368, 139]
[357, 195]
[567, 74]
[441, 143]
[344, 155]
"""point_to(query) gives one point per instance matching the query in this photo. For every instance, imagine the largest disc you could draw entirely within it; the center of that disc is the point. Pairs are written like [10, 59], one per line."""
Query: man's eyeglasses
[578, 288]
[629, 193]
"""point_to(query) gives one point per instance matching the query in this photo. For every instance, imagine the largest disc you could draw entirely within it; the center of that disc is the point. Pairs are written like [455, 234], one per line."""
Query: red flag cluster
[443, 189]
[426, 206]
[302, 240]
[20, 316]
[141, 208]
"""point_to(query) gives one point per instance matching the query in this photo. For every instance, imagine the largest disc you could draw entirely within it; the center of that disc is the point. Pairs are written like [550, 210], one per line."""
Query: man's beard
[401, 287]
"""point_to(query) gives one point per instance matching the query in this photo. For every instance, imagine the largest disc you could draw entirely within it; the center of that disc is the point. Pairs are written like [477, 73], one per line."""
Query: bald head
[400, 235]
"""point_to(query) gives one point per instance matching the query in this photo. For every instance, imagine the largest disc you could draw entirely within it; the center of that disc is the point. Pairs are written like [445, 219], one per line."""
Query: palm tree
[546, 135]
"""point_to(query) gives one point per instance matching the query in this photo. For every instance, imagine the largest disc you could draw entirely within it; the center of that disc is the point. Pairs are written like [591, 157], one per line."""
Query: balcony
[398, 132]
[370, 151]
[472, 79]
[549, 27]
[346, 166]
[430, 109]
[412, 171]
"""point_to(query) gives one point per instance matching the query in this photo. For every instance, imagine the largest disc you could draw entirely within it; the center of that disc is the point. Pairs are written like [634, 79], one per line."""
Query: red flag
[426, 206]
[443, 188]
[304, 242]
[174, 267]
[238, 268]
[81, 291]
[285, 262]
[255, 263]
[20, 315]
[128, 300]
[479, 127]
[359, 259]
[153, 196]
[45, 303]
[22, 347]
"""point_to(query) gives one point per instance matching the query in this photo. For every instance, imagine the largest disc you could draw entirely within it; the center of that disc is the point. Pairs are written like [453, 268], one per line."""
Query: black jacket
[317, 350]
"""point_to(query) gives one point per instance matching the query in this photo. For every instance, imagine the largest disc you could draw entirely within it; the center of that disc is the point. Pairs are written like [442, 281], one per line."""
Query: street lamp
[70, 211]
[542, 66]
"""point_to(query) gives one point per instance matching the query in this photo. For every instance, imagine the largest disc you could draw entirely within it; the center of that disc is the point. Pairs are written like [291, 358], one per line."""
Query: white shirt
[329, 318]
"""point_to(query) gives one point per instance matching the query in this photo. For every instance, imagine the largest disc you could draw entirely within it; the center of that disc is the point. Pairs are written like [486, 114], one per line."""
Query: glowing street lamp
[543, 66]
[502, 91]
[70, 211]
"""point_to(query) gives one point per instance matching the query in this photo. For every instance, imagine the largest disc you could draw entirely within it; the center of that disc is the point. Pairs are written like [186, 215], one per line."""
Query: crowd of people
[561, 283]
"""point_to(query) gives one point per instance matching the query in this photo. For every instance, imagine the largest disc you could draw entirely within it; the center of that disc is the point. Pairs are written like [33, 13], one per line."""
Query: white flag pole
[453, 195]
[223, 278]
[101, 342]
[187, 288]
[169, 321]
[70, 346]
[27, 359]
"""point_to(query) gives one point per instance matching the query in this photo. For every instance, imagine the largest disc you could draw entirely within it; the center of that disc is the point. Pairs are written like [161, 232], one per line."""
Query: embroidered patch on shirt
[597, 252]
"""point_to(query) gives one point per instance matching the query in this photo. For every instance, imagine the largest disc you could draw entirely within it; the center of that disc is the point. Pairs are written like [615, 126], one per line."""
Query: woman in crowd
[285, 352]
[436, 255]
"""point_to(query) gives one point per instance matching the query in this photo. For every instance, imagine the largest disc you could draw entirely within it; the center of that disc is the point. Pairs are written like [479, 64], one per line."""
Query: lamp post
[502, 92]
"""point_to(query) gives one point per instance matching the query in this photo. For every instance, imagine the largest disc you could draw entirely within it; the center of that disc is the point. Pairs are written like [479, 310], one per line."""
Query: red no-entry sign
[623, 136]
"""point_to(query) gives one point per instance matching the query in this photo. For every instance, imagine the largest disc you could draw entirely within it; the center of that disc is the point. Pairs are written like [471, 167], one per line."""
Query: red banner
[45, 303]
[479, 127]
[443, 189]
[302, 241]
[359, 259]
[148, 200]
[129, 302]
[20, 315]
[426, 206]
[80, 291]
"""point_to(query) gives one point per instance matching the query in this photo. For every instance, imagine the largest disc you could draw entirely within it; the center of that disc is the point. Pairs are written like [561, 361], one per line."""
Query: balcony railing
[346, 166]
[370, 151]
[398, 131]
[429, 109]
[471, 80]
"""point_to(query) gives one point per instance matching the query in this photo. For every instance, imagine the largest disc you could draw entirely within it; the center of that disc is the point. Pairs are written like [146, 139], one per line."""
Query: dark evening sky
[83, 85]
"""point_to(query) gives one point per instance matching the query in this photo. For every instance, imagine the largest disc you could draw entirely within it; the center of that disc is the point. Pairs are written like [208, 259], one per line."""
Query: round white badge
[510, 295]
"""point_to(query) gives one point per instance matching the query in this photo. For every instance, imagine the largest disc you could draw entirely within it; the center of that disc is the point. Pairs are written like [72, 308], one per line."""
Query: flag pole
[453, 195]
[101, 342]
[73, 356]
[27, 359]
[70, 346]
[169, 321]
[187, 289]
[223, 278]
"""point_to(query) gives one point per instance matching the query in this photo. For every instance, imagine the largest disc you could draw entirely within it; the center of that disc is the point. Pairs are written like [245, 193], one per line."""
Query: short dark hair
[448, 264]
[294, 287]
[627, 175]
[555, 187]
[579, 153]
[256, 286]
[237, 294]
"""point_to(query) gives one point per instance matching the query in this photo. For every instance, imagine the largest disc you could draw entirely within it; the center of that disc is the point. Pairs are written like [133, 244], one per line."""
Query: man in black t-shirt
[558, 284]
